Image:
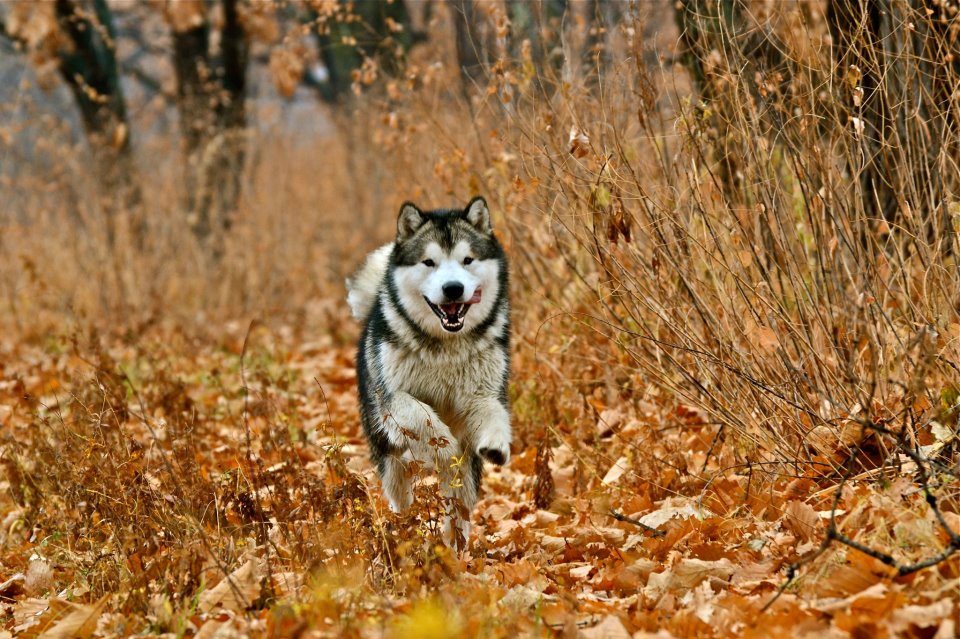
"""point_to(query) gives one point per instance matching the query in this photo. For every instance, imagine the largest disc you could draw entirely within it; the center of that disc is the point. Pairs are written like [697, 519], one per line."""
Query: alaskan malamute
[433, 361]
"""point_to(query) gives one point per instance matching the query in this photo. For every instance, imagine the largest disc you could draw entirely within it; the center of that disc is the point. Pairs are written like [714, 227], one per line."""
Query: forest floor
[170, 468]
[218, 485]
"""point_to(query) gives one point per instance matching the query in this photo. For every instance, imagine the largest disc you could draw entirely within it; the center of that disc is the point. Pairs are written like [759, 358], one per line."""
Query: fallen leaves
[235, 592]
[672, 508]
[291, 535]
[609, 628]
[616, 471]
[686, 574]
[802, 520]
[57, 618]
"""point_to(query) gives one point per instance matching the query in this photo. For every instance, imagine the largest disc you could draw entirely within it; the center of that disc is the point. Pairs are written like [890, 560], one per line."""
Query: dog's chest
[446, 380]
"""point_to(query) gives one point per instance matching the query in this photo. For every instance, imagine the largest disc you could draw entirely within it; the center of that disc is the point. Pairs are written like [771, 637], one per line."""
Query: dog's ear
[409, 220]
[478, 215]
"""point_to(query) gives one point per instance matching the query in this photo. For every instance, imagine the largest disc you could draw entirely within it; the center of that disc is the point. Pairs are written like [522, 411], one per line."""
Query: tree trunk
[604, 17]
[700, 21]
[211, 103]
[470, 49]
[855, 27]
[941, 64]
[192, 69]
[90, 70]
[538, 22]
[706, 25]
[361, 30]
[226, 171]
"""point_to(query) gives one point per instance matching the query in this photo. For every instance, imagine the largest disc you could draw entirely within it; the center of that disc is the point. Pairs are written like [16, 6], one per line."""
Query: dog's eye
[429, 263]
[467, 260]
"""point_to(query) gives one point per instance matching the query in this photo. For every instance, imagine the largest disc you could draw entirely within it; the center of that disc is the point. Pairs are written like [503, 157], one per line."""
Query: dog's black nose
[453, 290]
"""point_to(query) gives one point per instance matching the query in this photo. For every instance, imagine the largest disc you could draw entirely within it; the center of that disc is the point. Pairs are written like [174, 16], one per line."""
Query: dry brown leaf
[209, 629]
[834, 604]
[947, 629]
[259, 21]
[850, 578]
[686, 574]
[32, 615]
[689, 572]
[610, 421]
[288, 583]
[521, 573]
[499, 508]
[286, 66]
[235, 592]
[581, 571]
[579, 142]
[702, 601]
[802, 520]
[521, 598]
[616, 471]
[554, 614]
[78, 623]
[619, 579]
[824, 440]
[633, 541]
[953, 522]
[552, 544]
[748, 575]
[13, 587]
[762, 336]
[35, 24]
[670, 508]
[184, 15]
[545, 518]
[610, 627]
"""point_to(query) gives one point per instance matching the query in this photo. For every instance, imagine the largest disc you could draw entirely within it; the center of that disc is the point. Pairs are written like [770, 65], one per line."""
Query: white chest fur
[448, 379]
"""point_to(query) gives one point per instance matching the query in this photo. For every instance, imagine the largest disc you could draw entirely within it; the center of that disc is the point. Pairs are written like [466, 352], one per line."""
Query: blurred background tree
[338, 47]
[79, 41]
[348, 33]
[211, 94]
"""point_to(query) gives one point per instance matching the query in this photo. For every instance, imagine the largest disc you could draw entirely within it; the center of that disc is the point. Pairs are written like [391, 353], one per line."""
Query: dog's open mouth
[451, 315]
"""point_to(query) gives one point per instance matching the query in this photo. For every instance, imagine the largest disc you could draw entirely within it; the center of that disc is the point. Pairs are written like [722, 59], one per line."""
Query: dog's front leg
[488, 423]
[413, 426]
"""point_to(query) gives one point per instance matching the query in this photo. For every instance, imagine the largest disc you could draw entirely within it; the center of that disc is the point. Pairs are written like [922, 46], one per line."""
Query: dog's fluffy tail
[364, 285]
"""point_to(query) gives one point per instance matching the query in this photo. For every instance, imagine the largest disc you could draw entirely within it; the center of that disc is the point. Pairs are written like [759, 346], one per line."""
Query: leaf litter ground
[219, 486]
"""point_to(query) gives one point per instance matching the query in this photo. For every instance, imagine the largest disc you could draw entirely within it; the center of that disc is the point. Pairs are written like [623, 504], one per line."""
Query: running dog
[433, 360]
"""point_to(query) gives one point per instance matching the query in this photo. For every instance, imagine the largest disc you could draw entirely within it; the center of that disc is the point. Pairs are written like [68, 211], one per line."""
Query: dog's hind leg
[396, 483]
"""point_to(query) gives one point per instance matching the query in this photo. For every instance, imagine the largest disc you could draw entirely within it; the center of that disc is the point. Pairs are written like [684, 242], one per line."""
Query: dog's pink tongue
[449, 309]
[476, 297]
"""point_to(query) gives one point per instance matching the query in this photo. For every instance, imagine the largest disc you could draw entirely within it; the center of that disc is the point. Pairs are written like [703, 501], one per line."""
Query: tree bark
[90, 71]
[855, 27]
[211, 97]
[226, 172]
[470, 49]
[191, 67]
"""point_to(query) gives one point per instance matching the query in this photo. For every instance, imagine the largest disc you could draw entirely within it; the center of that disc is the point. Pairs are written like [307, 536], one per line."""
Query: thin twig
[654, 532]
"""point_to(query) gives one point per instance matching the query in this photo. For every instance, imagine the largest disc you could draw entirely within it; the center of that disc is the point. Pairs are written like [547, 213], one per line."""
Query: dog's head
[448, 266]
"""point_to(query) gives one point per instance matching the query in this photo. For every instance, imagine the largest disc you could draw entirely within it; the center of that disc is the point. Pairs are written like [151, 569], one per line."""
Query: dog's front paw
[494, 456]
[495, 448]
